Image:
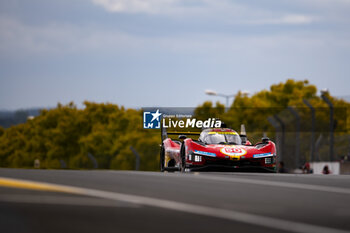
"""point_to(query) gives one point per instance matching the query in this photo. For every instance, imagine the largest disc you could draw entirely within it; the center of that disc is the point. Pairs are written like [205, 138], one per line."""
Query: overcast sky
[167, 52]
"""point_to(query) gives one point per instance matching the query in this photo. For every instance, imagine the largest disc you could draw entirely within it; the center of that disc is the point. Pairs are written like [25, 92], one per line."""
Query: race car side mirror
[243, 134]
[243, 139]
[265, 140]
[182, 137]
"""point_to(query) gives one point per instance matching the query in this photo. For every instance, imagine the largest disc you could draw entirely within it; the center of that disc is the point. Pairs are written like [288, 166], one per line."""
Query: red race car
[216, 149]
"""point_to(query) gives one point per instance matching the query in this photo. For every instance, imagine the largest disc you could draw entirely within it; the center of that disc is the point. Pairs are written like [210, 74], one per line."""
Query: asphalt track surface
[126, 201]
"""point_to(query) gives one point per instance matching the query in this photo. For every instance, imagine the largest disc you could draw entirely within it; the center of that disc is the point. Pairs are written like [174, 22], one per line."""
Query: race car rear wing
[164, 133]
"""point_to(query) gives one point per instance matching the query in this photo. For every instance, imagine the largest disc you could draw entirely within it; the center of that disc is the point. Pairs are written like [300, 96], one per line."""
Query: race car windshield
[232, 139]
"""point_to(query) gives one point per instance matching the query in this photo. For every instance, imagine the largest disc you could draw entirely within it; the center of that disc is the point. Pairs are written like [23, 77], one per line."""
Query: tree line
[65, 135]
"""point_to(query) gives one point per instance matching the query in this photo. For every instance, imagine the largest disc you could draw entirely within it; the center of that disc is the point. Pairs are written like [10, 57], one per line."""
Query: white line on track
[232, 215]
[310, 187]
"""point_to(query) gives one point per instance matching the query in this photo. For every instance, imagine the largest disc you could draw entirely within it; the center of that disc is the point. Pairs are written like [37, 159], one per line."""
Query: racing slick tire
[162, 158]
[183, 158]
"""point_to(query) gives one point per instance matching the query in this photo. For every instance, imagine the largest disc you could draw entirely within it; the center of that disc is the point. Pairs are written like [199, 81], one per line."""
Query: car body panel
[199, 155]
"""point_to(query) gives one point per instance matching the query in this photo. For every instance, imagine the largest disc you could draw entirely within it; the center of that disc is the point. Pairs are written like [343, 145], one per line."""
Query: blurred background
[74, 76]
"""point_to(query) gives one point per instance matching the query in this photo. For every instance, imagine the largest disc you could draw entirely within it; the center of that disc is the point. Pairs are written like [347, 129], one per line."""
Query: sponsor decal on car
[262, 155]
[233, 152]
[205, 153]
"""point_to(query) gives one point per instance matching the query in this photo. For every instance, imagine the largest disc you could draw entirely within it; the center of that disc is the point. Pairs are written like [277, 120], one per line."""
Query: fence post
[137, 156]
[93, 160]
[274, 123]
[331, 127]
[63, 164]
[313, 123]
[317, 146]
[283, 129]
[297, 135]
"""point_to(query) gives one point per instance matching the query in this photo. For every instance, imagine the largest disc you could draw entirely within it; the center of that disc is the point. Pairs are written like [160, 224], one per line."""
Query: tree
[68, 134]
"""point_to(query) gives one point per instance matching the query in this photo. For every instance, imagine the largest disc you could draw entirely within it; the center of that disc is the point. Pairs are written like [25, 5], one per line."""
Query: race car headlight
[194, 157]
[190, 155]
[268, 160]
[198, 158]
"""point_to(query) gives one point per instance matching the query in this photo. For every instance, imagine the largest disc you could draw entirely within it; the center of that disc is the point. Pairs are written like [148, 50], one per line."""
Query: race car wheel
[183, 158]
[162, 158]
